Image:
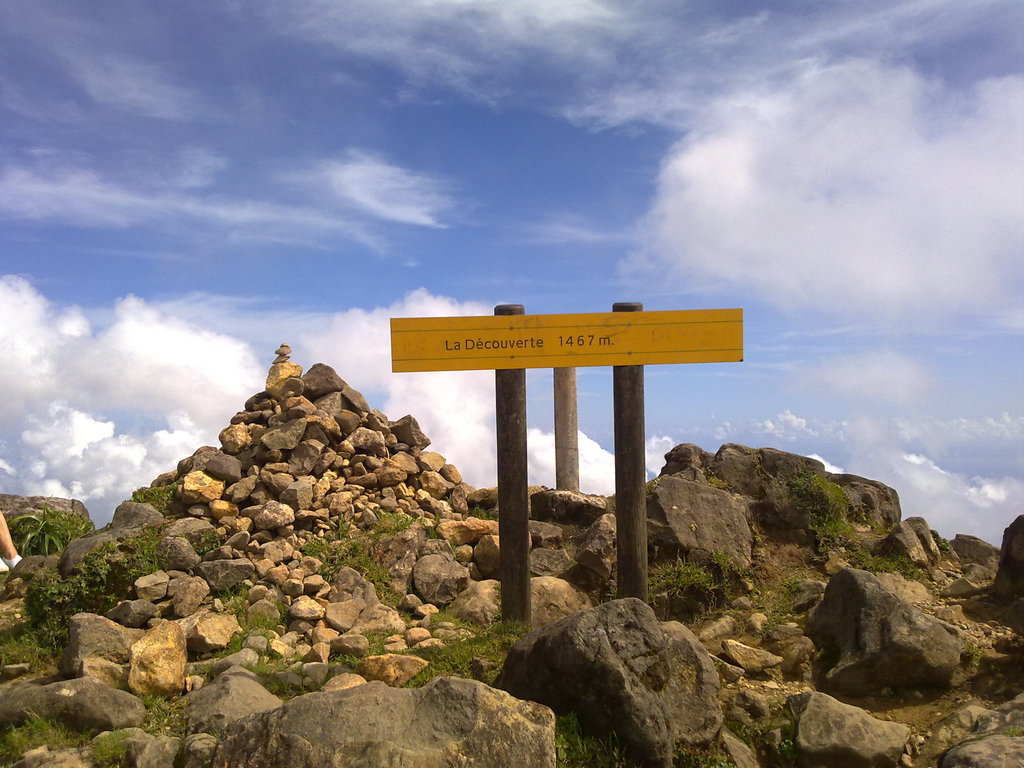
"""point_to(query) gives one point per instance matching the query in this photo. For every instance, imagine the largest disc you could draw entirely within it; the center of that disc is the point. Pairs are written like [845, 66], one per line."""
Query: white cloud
[829, 466]
[95, 413]
[374, 186]
[596, 465]
[881, 374]
[134, 85]
[856, 189]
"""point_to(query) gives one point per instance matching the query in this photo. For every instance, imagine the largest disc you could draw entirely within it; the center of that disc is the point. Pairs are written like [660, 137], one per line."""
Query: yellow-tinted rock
[279, 373]
[468, 531]
[158, 661]
[199, 488]
[235, 438]
[220, 508]
[394, 669]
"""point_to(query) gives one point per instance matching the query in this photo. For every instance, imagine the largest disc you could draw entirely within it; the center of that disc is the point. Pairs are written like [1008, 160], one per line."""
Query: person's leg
[7, 549]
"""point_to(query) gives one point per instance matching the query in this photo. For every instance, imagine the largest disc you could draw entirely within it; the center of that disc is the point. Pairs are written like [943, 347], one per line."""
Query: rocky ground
[321, 590]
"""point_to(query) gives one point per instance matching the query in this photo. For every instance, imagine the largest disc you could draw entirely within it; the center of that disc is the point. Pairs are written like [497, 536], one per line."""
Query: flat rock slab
[449, 722]
[81, 703]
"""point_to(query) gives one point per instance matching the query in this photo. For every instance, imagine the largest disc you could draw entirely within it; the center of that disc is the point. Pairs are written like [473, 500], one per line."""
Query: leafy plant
[700, 757]
[47, 532]
[689, 588]
[100, 579]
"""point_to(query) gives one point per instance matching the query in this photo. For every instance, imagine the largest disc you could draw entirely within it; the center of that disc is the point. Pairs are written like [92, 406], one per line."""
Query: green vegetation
[103, 577]
[160, 496]
[109, 751]
[36, 732]
[47, 532]
[355, 548]
[490, 643]
[691, 588]
[942, 543]
[825, 505]
[575, 749]
[883, 563]
[716, 482]
[19, 644]
[700, 757]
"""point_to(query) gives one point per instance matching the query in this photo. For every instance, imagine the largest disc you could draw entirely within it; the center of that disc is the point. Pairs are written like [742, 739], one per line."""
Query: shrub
[825, 505]
[47, 532]
[690, 588]
[103, 577]
[160, 496]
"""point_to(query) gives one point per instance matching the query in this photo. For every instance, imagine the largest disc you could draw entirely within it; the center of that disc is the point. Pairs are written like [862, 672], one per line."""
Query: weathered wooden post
[567, 452]
[630, 474]
[513, 493]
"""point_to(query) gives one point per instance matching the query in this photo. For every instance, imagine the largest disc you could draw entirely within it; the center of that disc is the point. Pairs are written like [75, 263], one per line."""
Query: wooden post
[567, 452]
[513, 493]
[630, 474]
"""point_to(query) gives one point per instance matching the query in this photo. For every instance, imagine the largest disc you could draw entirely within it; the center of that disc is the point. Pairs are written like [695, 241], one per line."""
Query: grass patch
[687, 588]
[110, 750]
[575, 749]
[826, 507]
[883, 563]
[455, 658]
[700, 757]
[355, 549]
[160, 496]
[164, 717]
[103, 577]
[19, 644]
[36, 732]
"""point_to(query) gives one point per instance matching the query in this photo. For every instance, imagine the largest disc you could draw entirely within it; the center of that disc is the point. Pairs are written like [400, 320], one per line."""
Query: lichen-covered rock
[870, 639]
[233, 695]
[448, 722]
[622, 672]
[830, 734]
[394, 669]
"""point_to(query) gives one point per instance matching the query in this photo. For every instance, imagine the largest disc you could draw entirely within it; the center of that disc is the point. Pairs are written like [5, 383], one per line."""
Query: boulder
[408, 431]
[438, 579]
[477, 603]
[971, 549]
[176, 553]
[684, 516]
[393, 669]
[222, 575]
[92, 636]
[903, 541]
[232, 696]
[207, 632]
[875, 502]
[552, 598]
[468, 531]
[870, 639]
[995, 751]
[1010, 573]
[830, 734]
[13, 506]
[567, 507]
[596, 548]
[158, 661]
[82, 703]
[448, 722]
[218, 465]
[132, 514]
[200, 488]
[622, 672]
[133, 613]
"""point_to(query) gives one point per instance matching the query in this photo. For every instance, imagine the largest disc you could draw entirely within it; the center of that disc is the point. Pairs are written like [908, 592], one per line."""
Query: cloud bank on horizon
[180, 192]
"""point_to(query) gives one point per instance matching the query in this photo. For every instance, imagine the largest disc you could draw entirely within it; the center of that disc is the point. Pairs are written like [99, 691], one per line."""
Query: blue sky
[184, 186]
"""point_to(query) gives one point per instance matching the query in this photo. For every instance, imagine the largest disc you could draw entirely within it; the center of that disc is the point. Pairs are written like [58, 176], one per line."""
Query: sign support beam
[513, 492]
[567, 451]
[630, 474]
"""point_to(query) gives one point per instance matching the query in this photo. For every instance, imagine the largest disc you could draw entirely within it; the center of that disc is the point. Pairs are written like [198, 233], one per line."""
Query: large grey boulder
[13, 506]
[447, 723]
[1010, 576]
[996, 741]
[685, 516]
[971, 549]
[233, 695]
[870, 639]
[92, 637]
[871, 500]
[567, 507]
[621, 671]
[830, 734]
[135, 514]
[222, 575]
[81, 703]
[439, 579]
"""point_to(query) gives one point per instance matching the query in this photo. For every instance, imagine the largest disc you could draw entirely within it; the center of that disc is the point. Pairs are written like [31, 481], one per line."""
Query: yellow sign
[566, 341]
